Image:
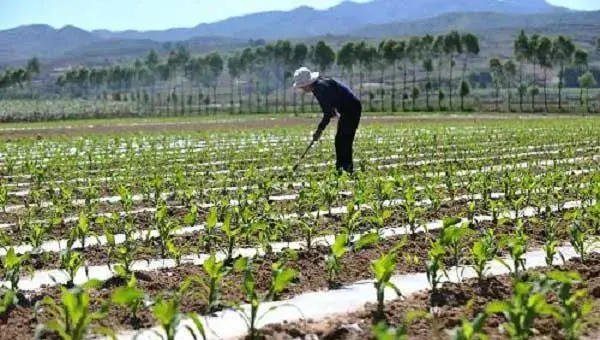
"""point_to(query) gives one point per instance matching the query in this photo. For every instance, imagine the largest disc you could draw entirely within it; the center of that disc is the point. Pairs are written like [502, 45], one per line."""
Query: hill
[20, 43]
[340, 19]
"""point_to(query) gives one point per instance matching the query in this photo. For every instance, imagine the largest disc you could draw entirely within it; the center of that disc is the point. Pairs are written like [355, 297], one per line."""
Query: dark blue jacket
[334, 95]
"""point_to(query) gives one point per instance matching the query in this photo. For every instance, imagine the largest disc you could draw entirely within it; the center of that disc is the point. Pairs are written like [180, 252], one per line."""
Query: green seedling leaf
[366, 241]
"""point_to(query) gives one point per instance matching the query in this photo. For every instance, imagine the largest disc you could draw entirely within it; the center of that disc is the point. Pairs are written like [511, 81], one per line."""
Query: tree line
[434, 70]
[541, 53]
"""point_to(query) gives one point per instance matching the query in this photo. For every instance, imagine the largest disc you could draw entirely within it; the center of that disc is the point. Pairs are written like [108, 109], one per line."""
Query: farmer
[336, 99]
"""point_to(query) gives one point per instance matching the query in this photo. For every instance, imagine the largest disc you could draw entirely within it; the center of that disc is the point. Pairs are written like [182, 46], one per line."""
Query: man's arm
[327, 107]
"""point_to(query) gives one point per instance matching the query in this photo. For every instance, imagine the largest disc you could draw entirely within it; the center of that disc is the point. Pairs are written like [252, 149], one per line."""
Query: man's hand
[317, 135]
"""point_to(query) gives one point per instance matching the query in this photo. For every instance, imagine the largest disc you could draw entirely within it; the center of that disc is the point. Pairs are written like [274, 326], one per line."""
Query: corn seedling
[573, 305]
[526, 304]
[72, 317]
[333, 262]
[131, 297]
[471, 330]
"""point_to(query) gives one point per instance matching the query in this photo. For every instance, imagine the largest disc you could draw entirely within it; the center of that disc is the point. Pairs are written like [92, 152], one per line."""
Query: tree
[346, 59]
[361, 53]
[521, 52]
[370, 58]
[246, 66]
[587, 81]
[452, 45]
[413, 52]
[427, 56]
[532, 56]
[151, 60]
[562, 53]
[544, 59]
[323, 56]
[283, 61]
[215, 64]
[33, 70]
[498, 76]
[470, 46]
[510, 72]
[465, 90]
[399, 52]
[33, 66]
[581, 62]
[383, 62]
[233, 67]
[438, 52]
[299, 58]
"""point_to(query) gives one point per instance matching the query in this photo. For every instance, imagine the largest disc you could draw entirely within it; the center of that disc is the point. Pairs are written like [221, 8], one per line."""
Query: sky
[160, 14]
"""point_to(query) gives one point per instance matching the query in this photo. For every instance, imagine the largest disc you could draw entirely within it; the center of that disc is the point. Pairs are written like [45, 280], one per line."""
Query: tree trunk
[427, 89]
[257, 98]
[509, 96]
[520, 83]
[294, 101]
[546, 88]
[450, 85]
[231, 108]
[560, 84]
[215, 98]
[404, 90]
[534, 83]
[439, 82]
[361, 80]
[414, 86]
[382, 89]
[393, 97]
[284, 97]
[497, 98]
[249, 87]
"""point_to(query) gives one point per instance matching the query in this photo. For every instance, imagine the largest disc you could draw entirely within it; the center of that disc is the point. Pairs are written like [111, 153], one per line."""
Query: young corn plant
[517, 247]
[453, 238]
[383, 268]
[484, 250]
[526, 304]
[72, 317]
[166, 228]
[281, 277]
[471, 330]
[409, 205]
[36, 234]
[573, 304]
[12, 268]
[578, 238]
[3, 198]
[131, 297]
[333, 262]
[232, 234]
[123, 254]
[382, 331]
[71, 261]
[82, 230]
[216, 271]
[379, 218]
[252, 316]
[351, 220]
[436, 269]
[207, 239]
[167, 312]
[551, 242]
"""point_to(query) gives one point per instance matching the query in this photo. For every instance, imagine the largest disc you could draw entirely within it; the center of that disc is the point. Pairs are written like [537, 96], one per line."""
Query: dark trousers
[346, 131]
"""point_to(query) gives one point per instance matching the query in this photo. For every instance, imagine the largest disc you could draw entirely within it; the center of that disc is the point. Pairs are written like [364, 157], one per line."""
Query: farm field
[449, 229]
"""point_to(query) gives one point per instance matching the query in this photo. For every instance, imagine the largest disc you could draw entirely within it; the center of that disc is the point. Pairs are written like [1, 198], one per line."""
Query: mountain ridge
[300, 23]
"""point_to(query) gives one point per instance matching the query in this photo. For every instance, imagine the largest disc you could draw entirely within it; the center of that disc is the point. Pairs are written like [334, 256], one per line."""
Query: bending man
[334, 97]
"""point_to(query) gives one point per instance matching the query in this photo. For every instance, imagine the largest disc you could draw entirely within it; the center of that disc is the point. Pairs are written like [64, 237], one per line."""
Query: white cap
[304, 77]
